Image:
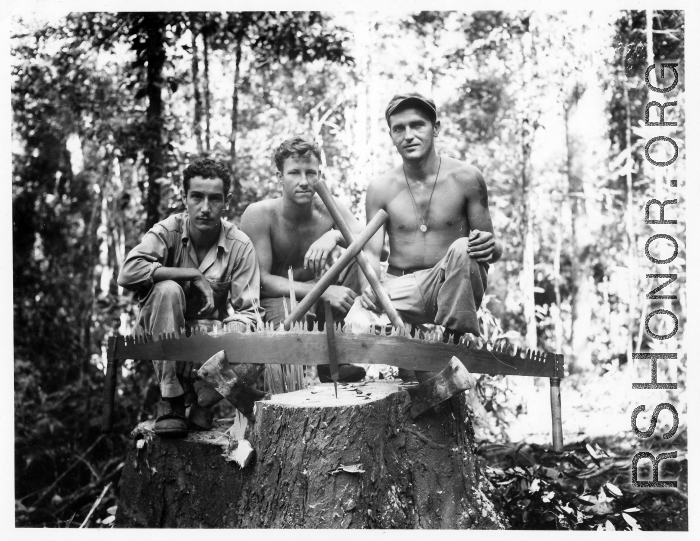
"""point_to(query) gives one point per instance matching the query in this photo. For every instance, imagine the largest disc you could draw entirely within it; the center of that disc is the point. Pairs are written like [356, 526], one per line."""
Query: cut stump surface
[357, 461]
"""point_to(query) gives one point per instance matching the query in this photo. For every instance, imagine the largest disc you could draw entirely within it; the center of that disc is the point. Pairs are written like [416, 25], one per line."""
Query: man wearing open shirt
[191, 267]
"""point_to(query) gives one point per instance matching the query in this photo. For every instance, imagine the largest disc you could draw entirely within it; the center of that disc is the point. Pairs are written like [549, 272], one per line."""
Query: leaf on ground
[613, 490]
[609, 526]
[112, 510]
[601, 451]
[108, 520]
[632, 510]
[593, 453]
[631, 521]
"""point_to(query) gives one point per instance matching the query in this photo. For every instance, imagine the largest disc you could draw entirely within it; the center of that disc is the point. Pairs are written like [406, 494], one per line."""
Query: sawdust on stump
[357, 461]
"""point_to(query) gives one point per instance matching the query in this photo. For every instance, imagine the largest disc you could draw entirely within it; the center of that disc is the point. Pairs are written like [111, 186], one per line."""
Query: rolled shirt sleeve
[245, 287]
[137, 272]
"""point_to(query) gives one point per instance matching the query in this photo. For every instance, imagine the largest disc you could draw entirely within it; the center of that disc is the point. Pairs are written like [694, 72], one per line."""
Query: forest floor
[590, 485]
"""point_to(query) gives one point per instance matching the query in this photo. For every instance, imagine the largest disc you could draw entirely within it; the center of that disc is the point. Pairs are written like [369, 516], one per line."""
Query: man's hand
[481, 245]
[341, 298]
[369, 300]
[201, 283]
[318, 252]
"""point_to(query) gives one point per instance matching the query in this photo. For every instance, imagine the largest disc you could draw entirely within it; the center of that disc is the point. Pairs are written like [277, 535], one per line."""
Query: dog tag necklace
[424, 215]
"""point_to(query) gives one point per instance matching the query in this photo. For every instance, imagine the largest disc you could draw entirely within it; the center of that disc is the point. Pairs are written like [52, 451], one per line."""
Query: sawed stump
[358, 461]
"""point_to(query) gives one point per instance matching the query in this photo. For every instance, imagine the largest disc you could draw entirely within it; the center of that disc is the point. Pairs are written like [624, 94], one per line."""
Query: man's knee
[459, 248]
[168, 290]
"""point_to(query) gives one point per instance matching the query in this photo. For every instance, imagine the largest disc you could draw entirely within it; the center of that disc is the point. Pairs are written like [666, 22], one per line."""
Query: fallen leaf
[609, 526]
[613, 490]
[631, 521]
[112, 510]
[592, 452]
[109, 519]
[632, 510]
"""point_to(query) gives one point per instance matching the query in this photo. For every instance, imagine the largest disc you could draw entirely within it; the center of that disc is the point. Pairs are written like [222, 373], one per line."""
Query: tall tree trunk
[528, 280]
[556, 264]
[207, 94]
[195, 86]
[234, 114]
[631, 237]
[653, 111]
[527, 131]
[581, 309]
[155, 151]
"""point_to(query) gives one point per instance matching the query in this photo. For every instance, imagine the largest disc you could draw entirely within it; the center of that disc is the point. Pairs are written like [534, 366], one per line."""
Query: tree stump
[358, 461]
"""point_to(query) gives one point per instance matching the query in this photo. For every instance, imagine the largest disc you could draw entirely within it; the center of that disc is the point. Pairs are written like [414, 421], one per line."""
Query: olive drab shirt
[230, 266]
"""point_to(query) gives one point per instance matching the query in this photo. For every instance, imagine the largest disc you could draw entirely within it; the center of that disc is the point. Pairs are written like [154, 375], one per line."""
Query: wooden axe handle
[331, 276]
[325, 194]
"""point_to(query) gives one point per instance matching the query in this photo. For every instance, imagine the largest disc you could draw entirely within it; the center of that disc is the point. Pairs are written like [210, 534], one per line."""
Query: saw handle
[331, 276]
[325, 194]
[110, 387]
[555, 399]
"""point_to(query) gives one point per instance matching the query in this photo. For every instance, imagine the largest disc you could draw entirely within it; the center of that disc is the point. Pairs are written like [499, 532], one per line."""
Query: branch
[53, 485]
[94, 505]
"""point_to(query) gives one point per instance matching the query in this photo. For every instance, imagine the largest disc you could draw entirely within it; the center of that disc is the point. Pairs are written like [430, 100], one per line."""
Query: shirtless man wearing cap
[440, 233]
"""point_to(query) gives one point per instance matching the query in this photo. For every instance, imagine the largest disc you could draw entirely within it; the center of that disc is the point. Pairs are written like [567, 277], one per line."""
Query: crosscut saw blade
[303, 347]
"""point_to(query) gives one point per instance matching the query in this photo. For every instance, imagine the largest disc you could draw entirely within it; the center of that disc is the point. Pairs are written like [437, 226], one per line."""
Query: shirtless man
[440, 233]
[296, 230]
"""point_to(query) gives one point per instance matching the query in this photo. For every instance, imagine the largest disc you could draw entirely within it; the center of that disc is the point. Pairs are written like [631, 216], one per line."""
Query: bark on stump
[358, 461]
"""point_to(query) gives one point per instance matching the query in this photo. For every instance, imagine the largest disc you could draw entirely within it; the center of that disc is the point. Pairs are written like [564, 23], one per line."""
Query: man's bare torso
[291, 239]
[447, 217]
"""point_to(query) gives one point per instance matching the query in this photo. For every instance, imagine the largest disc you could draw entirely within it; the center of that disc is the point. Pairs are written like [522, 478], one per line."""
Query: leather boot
[171, 420]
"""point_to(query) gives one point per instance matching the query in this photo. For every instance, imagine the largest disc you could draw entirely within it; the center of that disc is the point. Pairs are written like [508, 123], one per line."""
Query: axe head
[451, 380]
[218, 373]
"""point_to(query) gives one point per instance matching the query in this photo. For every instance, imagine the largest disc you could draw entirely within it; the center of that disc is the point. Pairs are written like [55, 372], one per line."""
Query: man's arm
[483, 245]
[373, 249]
[244, 294]
[318, 253]
[144, 267]
[255, 223]
[143, 260]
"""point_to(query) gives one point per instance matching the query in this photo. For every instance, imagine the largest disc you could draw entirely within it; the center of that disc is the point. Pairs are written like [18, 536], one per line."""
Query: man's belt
[394, 271]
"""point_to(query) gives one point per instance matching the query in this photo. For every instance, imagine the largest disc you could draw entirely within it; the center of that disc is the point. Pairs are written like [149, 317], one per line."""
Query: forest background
[109, 108]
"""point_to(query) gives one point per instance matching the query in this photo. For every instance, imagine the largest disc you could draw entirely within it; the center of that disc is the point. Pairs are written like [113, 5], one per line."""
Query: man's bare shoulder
[385, 183]
[462, 172]
[262, 210]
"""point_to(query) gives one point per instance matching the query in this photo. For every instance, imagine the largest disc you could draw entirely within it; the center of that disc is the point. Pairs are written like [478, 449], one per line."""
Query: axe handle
[325, 194]
[555, 398]
[331, 276]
